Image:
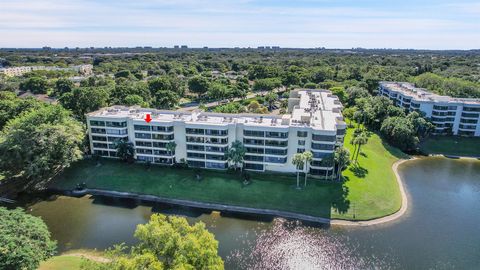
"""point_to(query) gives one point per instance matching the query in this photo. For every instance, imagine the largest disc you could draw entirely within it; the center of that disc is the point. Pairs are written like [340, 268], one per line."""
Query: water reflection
[440, 231]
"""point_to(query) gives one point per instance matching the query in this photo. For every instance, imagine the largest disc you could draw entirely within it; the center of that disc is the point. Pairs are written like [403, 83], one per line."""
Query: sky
[416, 24]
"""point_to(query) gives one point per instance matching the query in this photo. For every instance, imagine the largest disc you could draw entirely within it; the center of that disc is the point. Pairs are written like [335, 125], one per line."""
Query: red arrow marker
[148, 118]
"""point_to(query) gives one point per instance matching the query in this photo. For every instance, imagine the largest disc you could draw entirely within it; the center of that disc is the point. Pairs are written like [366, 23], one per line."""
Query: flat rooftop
[318, 109]
[422, 94]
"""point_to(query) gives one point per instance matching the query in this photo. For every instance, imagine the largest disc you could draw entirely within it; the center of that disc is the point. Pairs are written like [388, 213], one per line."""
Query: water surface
[439, 231]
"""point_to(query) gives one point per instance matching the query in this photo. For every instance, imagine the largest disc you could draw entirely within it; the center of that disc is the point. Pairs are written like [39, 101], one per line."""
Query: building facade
[314, 122]
[19, 71]
[457, 116]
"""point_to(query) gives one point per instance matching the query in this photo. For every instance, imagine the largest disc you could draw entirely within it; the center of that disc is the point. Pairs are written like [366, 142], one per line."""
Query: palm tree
[125, 150]
[298, 161]
[171, 146]
[236, 153]
[271, 97]
[361, 139]
[307, 157]
[342, 158]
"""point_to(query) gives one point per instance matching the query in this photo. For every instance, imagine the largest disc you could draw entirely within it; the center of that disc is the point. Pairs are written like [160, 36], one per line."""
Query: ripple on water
[291, 245]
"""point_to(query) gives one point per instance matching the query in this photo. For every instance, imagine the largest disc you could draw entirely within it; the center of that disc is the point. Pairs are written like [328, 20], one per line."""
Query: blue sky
[306, 23]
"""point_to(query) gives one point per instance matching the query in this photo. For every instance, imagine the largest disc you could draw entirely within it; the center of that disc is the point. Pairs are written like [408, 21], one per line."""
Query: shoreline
[250, 210]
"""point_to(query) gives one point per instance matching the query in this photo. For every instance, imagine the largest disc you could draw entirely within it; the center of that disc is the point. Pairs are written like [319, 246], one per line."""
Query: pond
[440, 229]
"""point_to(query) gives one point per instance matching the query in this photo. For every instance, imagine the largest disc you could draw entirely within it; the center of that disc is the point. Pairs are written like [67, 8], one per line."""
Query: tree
[62, 86]
[354, 93]
[122, 74]
[358, 141]
[236, 153]
[83, 100]
[166, 242]
[298, 161]
[37, 85]
[271, 97]
[165, 99]
[198, 84]
[400, 132]
[11, 106]
[131, 100]
[255, 107]
[24, 240]
[349, 112]
[39, 143]
[307, 157]
[166, 83]
[125, 150]
[342, 159]
[171, 146]
[267, 84]
[217, 91]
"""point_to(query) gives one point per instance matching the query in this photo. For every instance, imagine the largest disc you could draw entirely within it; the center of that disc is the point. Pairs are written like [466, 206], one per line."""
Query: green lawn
[369, 196]
[63, 262]
[452, 145]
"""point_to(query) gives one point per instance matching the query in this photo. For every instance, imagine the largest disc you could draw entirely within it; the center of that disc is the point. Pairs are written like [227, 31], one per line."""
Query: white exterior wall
[427, 102]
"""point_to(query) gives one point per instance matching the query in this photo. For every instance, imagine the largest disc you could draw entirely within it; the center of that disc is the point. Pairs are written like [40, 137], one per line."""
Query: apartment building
[458, 116]
[19, 71]
[314, 122]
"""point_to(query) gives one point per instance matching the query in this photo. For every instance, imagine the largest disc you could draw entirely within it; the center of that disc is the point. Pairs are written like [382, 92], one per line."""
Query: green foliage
[37, 85]
[236, 153]
[131, 100]
[11, 106]
[63, 86]
[24, 240]
[232, 107]
[40, 142]
[255, 107]
[83, 100]
[341, 158]
[166, 242]
[266, 84]
[400, 132]
[123, 74]
[454, 87]
[125, 150]
[198, 84]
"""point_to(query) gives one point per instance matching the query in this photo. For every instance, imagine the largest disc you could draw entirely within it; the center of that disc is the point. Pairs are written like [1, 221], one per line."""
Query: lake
[439, 231]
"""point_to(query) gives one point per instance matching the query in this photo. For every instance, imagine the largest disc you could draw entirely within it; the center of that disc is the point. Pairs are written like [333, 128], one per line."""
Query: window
[321, 146]
[300, 150]
[215, 132]
[443, 108]
[116, 131]
[162, 160]
[196, 163]
[117, 139]
[253, 166]
[301, 142]
[471, 109]
[163, 153]
[216, 149]
[340, 132]
[215, 157]
[195, 147]
[99, 138]
[195, 131]
[116, 124]
[302, 134]
[472, 115]
[159, 144]
[216, 141]
[255, 150]
[143, 135]
[253, 141]
[162, 137]
[320, 154]
[98, 130]
[97, 123]
[275, 159]
[162, 129]
[195, 139]
[253, 158]
[276, 143]
[141, 127]
[143, 151]
[278, 152]
[324, 138]
[195, 155]
[254, 133]
[280, 135]
[144, 144]
[215, 165]
[145, 158]
[100, 145]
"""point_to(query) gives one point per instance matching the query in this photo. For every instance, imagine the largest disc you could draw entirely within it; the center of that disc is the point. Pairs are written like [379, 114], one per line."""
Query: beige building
[19, 71]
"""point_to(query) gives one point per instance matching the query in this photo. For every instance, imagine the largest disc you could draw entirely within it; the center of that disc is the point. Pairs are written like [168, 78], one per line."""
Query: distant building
[314, 122]
[459, 116]
[176, 47]
[184, 47]
[19, 71]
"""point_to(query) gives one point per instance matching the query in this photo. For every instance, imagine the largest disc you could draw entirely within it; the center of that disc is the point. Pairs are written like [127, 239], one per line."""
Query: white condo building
[459, 116]
[314, 122]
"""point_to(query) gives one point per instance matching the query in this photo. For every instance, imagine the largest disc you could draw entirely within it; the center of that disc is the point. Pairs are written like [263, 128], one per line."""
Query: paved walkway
[255, 211]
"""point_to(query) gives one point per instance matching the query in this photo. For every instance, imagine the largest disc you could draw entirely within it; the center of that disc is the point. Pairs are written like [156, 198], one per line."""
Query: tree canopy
[24, 240]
